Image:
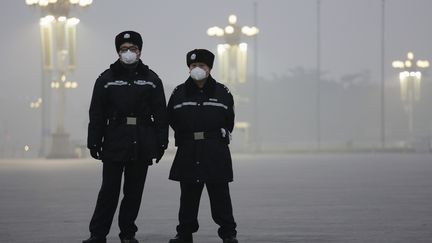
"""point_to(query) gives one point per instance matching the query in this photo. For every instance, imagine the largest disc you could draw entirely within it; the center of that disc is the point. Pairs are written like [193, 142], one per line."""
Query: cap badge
[126, 36]
[193, 56]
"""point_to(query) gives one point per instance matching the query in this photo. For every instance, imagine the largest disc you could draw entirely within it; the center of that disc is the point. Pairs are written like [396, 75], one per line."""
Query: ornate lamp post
[232, 55]
[410, 81]
[58, 42]
[232, 58]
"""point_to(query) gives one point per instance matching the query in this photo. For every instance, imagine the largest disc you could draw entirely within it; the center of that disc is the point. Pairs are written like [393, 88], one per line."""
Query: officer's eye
[130, 48]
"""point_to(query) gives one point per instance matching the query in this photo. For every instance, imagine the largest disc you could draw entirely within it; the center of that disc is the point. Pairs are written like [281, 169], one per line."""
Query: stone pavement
[303, 198]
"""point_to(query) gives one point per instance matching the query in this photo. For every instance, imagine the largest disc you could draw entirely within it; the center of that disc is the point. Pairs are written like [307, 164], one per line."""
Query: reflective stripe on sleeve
[189, 103]
[216, 104]
[117, 83]
[143, 82]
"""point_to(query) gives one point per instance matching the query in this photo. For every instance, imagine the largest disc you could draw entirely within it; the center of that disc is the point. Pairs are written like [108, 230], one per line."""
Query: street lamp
[232, 55]
[232, 58]
[410, 81]
[58, 42]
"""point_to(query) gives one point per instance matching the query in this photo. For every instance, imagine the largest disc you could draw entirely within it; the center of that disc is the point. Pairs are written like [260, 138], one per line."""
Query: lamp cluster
[67, 85]
[231, 29]
[406, 74]
[410, 63]
[43, 3]
[64, 83]
[50, 19]
[36, 104]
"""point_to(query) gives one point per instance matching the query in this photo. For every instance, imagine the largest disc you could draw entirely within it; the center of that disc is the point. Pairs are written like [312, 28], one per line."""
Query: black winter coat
[119, 93]
[194, 110]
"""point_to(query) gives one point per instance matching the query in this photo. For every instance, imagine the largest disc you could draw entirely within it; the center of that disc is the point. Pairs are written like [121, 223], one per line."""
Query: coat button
[198, 181]
[197, 162]
[134, 142]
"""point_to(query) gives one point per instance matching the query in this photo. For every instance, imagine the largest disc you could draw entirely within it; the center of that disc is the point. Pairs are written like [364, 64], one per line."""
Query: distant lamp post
[232, 55]
[58, 42]
[410, 83]
[36, 104]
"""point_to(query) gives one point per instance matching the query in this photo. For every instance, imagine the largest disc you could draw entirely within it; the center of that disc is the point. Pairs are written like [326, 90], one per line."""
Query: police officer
[201, 113]
[128, 130]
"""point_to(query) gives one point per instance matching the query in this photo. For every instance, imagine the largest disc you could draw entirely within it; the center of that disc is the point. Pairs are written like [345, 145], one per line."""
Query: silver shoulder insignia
[226, 88]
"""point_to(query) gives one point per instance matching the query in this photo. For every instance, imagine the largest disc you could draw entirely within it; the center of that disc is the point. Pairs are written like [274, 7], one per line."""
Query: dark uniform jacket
[122, 97]
[197, 116]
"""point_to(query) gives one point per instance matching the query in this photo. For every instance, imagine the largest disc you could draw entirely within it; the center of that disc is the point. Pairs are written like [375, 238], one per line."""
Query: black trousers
[220, 203]
[134, 178]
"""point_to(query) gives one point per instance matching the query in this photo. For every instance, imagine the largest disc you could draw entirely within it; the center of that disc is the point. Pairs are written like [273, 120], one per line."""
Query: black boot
[130, 239]
[231, 239]
[94, 239]
[182, 239]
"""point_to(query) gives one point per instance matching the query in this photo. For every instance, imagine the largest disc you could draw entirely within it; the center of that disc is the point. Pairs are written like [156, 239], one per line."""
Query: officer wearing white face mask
[128, 130]
[201, 113]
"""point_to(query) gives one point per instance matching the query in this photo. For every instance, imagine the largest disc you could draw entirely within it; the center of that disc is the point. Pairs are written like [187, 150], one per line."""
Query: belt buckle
[131, 120]
[198, 135]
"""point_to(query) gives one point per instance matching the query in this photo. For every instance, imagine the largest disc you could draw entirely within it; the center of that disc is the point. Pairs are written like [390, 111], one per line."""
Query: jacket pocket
[115, 138]
[148, 142]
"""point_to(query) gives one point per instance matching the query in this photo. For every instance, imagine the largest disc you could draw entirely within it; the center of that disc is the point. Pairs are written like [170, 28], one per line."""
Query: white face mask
[128, 57]
[198, 73]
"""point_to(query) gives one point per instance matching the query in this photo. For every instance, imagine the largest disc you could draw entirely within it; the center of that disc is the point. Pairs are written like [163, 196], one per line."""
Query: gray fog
[281, 105]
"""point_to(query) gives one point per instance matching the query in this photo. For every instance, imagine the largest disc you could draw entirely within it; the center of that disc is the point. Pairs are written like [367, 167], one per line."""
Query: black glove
[160, 153]
[226, 135]
[95, 153]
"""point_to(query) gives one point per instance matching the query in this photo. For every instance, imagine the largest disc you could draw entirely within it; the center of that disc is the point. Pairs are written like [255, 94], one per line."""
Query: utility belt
[182, 136]
[129, 120]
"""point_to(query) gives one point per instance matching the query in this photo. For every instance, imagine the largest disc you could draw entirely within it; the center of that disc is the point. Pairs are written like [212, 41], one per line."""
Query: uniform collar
[119, 69]
[192, 88]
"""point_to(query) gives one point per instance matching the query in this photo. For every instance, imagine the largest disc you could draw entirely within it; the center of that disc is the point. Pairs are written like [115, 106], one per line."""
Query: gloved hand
[96, 153]
[226, 135]
[160, 153]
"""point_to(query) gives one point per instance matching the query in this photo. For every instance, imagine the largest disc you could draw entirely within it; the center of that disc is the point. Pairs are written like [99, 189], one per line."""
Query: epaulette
[155, 74]
[226, 88]
[100, 75]
[175, 89]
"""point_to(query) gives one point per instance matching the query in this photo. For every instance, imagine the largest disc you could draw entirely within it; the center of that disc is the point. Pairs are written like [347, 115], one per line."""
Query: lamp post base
[61, 147]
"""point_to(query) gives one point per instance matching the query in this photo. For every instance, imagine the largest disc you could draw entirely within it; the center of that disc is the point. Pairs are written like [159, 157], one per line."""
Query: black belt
[129, 120]
[198, 135]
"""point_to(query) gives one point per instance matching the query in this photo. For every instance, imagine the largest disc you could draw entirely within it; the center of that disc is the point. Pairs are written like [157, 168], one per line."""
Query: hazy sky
[350, 31]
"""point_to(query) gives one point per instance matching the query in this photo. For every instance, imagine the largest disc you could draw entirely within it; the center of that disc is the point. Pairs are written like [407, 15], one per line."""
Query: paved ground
[277, 198]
